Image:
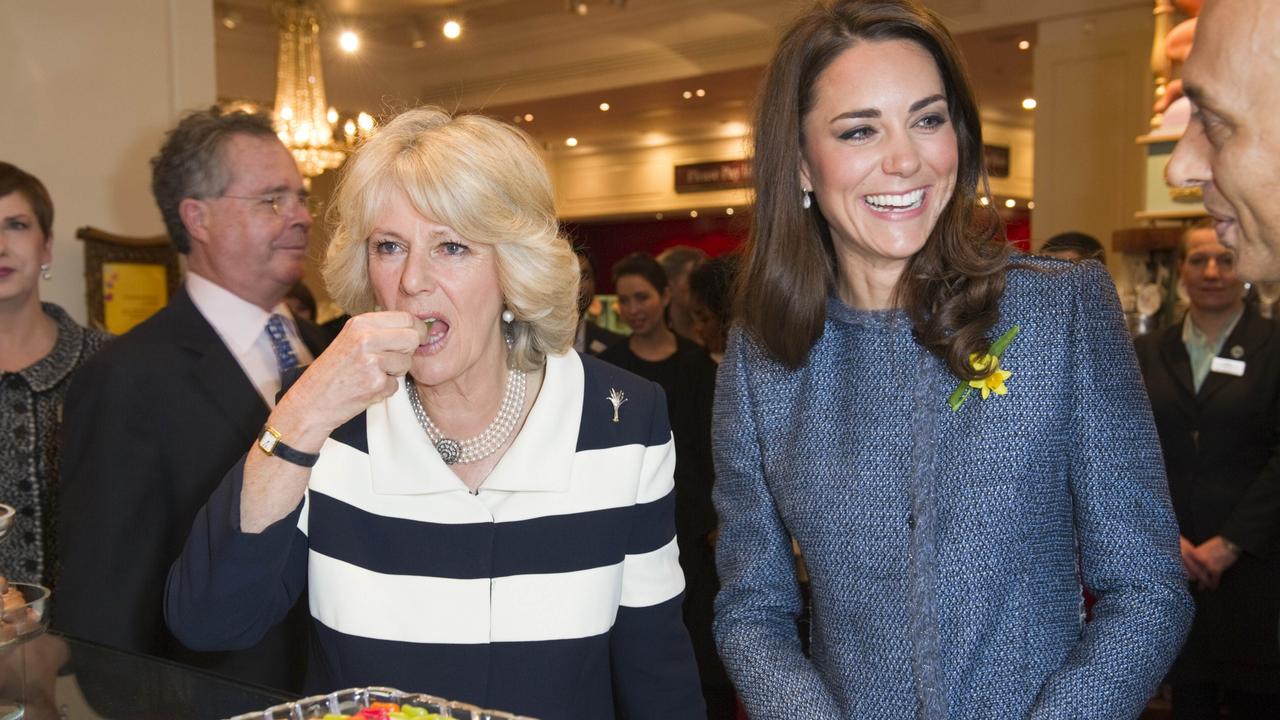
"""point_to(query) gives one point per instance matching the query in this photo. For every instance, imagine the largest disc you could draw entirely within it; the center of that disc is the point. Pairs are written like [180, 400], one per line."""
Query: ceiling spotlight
[231, 19]
[984, 201]
[349, 41]
[604, 107]
[451, 29]
[658, 216]
[693, 213]
[1031, 204]
[728, 211]
[700, 92]
[686, 94]
[528, 117]
[577, 7]
[1011, 203]
[571, 141]
[1028, 103]
[1024, 45]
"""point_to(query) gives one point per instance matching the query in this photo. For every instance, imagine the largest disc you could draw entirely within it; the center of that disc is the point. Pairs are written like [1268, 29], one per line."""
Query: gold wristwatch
[270, 443]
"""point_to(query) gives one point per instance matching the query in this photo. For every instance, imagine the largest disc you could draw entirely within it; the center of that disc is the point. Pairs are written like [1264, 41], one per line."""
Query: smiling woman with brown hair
[956, 440]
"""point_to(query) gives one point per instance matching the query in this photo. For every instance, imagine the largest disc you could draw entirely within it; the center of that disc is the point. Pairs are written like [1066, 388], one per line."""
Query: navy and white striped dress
[553, 589]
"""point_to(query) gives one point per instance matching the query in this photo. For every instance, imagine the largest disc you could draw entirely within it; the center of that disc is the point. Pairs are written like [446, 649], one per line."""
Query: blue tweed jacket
[946, 549]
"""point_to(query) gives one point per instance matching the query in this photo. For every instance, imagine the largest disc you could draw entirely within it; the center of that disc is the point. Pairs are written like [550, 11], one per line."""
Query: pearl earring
[806, 200]
[45, 272]
[508, 316]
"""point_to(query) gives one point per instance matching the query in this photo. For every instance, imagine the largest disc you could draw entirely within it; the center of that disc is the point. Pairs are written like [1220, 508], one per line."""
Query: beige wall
[90, 87]
[640, 179]
[1093, 86]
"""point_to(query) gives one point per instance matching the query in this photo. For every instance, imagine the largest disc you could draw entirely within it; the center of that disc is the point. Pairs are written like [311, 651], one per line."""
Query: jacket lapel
[1174, 355]
[1249, 336]
[315, 337]
[215, 370]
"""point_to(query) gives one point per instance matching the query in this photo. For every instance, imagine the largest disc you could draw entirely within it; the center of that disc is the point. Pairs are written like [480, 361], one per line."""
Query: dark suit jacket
[153, 424]
[1222, 453]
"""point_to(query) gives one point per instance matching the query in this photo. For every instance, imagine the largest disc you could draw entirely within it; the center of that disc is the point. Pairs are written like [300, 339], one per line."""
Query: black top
[30, 449]
[688, 377]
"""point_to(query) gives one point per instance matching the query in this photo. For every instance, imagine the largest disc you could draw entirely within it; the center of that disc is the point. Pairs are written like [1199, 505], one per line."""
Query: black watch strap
[270, 443]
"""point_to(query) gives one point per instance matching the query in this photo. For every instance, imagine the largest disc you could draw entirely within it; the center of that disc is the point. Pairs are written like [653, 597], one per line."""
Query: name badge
[1227, 366]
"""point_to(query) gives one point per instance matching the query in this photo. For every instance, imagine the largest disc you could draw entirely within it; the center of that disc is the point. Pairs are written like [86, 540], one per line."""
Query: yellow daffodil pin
[995, 377]
[994, 381]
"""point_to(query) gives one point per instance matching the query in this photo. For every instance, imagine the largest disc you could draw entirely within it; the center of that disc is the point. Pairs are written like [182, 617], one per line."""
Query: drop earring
[46, 272]
[508, 316]
[806, 199]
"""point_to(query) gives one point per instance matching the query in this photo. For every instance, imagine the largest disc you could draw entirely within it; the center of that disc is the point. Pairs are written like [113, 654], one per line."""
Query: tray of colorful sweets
[376, 703]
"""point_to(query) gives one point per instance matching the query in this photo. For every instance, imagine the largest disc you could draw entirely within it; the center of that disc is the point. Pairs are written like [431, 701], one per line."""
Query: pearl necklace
[490, 439]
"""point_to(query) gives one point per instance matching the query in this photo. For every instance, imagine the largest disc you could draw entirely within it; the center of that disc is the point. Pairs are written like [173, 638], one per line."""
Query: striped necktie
[285, 358]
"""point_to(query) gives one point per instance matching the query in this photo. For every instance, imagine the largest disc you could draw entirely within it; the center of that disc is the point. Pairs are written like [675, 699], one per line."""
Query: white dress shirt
[243, 329]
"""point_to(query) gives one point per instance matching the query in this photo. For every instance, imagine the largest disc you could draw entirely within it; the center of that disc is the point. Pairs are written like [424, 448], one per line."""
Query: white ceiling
[532, 56]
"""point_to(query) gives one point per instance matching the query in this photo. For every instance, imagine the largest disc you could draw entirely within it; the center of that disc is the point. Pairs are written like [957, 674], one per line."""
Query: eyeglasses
[282, 203]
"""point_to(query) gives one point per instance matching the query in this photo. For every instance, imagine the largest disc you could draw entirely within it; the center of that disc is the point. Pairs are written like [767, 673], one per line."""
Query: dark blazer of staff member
[1214, 382]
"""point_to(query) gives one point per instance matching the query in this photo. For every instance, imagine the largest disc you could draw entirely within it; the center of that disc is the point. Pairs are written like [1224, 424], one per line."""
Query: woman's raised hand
[358, 369]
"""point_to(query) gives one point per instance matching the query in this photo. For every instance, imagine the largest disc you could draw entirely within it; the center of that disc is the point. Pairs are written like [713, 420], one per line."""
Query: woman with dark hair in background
[711, 300]
[687, 375]
[956, 441]
[1074, 246]
[40, 348]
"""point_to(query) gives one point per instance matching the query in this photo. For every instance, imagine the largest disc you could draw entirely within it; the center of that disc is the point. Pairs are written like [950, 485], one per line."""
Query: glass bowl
[347, 703]
[26, 615]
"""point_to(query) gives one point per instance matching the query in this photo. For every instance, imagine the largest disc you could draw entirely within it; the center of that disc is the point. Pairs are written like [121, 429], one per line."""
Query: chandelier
[304, 121]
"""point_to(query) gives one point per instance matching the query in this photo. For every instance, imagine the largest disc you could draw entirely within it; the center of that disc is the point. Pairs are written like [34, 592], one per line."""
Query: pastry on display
[376, 703]
[385, 711]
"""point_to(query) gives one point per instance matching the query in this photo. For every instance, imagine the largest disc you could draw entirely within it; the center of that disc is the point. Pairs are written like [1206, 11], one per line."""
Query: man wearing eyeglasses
[155, 420]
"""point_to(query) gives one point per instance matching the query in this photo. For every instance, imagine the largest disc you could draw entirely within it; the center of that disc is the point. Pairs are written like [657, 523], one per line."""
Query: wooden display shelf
[1191, 213]
[1146, 239]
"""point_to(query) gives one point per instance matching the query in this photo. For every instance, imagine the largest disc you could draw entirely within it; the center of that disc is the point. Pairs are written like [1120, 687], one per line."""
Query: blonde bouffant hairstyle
[482, 178]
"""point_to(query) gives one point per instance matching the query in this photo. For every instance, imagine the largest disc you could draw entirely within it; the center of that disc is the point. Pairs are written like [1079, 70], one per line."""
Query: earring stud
[508, 316]
[806, 199]
[46, 272]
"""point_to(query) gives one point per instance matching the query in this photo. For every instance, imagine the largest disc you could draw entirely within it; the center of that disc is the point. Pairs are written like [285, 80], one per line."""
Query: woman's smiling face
[879, 150]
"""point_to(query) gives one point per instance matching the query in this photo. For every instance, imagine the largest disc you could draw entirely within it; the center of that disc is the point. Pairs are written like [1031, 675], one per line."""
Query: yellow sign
[131, 292]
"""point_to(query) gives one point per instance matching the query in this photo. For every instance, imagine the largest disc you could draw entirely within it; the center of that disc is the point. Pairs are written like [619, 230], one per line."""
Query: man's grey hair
[190, 163]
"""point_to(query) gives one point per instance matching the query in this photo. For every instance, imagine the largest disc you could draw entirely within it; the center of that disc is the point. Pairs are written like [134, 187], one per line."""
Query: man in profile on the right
[1231, 149]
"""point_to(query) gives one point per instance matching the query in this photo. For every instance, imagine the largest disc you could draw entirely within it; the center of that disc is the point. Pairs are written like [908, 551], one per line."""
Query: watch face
[268, 442]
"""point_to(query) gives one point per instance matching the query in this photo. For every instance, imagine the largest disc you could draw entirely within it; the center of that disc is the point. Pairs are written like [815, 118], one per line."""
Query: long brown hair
[951, 288]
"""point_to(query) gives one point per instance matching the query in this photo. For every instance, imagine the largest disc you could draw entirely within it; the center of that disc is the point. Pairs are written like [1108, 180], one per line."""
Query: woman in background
[40, 347]
[711, 302]
[687, 375]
